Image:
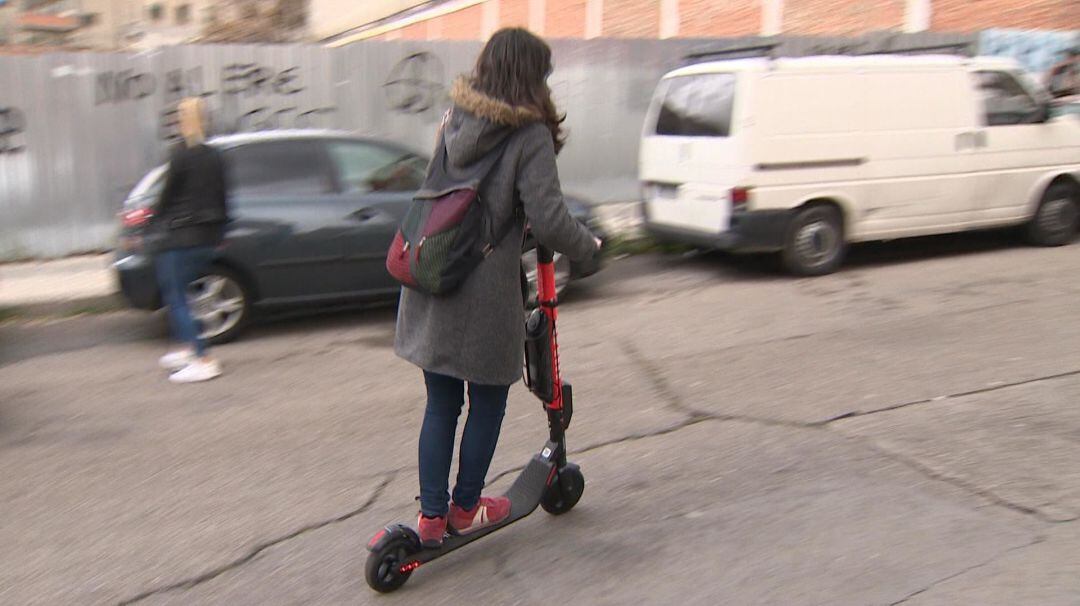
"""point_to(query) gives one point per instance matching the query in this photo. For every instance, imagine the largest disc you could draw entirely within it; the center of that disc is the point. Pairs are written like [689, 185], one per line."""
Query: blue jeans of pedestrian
[175, 270]
[445, 397]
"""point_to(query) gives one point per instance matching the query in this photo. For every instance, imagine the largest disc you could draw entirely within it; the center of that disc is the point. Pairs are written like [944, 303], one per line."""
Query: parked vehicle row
[796, 156]
[314, 213]
[804, 156]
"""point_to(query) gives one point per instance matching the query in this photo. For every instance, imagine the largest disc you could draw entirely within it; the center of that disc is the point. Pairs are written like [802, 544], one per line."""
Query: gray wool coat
[477, 333]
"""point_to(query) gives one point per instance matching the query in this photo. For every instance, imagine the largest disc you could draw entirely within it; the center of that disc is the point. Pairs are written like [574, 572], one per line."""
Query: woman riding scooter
[475, 334]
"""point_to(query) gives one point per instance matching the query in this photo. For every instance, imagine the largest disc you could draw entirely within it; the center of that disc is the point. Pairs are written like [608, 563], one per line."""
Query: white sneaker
[196, 372]
[176, 360]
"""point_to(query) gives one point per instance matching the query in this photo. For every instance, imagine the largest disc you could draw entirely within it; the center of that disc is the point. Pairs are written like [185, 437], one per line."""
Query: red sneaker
[488, 512]
[431, 531]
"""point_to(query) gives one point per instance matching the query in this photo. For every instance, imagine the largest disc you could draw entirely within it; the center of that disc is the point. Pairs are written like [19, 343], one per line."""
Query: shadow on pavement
[765, 267]
[303, 321]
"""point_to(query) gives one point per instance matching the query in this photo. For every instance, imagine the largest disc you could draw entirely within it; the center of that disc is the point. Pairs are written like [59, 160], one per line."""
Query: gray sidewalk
[58, 287]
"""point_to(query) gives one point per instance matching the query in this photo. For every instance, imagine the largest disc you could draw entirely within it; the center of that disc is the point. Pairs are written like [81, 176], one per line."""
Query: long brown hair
[513, 68]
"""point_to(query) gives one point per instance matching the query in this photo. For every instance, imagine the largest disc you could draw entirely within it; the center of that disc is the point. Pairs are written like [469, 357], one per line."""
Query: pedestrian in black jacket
[189, 220]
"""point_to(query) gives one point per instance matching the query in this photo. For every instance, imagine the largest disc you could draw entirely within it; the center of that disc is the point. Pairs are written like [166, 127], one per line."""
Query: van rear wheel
[815, 241]
[1058, 218]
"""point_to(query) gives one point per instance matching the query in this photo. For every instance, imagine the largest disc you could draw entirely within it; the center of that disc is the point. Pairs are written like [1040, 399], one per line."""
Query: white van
[806, 155]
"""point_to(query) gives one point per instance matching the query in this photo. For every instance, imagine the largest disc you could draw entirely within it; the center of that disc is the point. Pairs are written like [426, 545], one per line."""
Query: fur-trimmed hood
[479, 123]
[493, 110]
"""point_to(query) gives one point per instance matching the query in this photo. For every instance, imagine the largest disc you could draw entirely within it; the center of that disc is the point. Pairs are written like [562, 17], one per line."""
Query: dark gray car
[313, 215]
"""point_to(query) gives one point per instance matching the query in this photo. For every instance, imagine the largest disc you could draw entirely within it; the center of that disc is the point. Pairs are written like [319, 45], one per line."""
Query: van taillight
[740, 198]
[136, 217]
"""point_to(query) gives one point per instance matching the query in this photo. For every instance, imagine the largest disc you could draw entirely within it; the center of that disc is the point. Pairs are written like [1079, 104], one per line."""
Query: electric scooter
[548, 480]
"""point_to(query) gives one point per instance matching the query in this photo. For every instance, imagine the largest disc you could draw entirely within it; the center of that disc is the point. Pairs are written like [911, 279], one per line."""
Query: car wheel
[563, 272]
[221, 303]
[815, 241]
[1058, 217]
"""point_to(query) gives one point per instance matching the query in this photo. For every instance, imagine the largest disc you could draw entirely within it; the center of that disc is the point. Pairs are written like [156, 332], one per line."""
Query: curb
[96, 304]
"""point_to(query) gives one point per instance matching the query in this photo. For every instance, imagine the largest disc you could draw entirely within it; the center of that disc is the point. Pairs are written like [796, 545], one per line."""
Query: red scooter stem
[547, 299]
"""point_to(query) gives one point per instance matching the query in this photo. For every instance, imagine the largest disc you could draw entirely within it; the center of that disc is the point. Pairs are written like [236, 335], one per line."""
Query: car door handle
[364, 214]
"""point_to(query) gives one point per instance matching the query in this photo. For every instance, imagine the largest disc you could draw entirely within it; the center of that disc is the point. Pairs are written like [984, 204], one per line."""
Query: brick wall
[709, 18]
[565, 19]
[828, 17]
[631, 18]
[704, 18]
[416, 31]
[513, 13]
[465, 24]
[971, 15]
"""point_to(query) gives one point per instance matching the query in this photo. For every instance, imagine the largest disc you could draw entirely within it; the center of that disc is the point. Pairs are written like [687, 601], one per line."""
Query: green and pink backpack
[444, 237]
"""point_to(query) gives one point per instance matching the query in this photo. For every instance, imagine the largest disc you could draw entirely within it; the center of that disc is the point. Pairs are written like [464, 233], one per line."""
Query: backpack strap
[489, 163]
[503, 231]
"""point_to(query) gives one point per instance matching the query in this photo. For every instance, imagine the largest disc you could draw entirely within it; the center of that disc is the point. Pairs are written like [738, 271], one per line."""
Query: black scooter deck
[524, 494]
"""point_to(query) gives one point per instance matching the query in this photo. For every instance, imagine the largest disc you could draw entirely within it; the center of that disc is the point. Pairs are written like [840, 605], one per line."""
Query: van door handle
[971, 140]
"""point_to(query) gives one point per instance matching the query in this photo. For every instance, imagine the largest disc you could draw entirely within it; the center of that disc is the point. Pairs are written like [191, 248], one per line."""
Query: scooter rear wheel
[383, 568]
[565, 491]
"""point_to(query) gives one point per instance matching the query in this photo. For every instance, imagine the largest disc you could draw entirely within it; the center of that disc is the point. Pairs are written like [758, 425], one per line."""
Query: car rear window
[697, 106]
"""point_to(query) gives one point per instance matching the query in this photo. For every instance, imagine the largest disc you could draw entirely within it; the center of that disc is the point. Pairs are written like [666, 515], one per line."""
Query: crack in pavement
[659, 381]
[663, 387]
[694, 416]
[857, 413]
[257, 550]
[1036, 541]
[629, 438]
[688, 422]
[965, 485]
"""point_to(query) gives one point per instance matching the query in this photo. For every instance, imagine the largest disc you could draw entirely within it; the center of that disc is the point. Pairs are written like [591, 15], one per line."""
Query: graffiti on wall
[123, 85]
[415, 84]
[244, 97]
[12, 124]
[254, 79]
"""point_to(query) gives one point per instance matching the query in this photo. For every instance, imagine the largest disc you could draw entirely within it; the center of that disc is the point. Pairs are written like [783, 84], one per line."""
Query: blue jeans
[446, 395]
[175, 270]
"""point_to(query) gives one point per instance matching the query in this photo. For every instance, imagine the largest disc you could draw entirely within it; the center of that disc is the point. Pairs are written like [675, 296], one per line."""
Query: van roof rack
[961, 48]
[754, 50]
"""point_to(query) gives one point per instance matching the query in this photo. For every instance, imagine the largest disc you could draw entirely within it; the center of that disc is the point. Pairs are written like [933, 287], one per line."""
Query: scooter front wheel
[565, 491]
[384, 568]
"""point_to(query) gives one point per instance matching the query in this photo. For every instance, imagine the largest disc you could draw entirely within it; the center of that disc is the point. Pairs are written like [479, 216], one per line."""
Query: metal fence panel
[78, 130]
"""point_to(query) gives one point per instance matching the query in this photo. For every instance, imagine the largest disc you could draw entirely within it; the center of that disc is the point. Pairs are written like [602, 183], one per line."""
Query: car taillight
[740, 198]
[136, 217]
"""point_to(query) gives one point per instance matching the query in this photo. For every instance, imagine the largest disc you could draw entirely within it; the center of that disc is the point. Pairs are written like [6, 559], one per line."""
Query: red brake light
[375, 539]
[137, 217]
[740, 198]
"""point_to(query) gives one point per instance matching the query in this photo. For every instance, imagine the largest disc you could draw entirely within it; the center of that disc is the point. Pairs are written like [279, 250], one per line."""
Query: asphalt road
[905, 431]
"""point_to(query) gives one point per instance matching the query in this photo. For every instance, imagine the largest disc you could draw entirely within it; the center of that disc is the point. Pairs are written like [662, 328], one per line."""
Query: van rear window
[697, 106]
